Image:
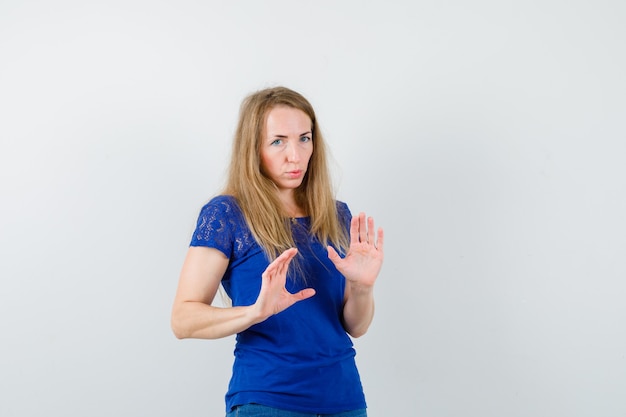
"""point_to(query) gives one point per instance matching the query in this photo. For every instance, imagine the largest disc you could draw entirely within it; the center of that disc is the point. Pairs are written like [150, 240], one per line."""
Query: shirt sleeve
[344, 214]
[215, 226]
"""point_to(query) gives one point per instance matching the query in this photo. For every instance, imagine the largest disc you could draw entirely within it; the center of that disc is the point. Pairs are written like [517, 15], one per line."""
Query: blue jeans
[256, 410]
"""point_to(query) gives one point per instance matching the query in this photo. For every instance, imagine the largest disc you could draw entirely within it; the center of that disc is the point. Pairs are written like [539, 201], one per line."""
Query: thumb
[333, 255]
[304, 294]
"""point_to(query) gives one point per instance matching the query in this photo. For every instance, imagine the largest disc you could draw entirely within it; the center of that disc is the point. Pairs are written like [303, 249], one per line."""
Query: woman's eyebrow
[278, 135]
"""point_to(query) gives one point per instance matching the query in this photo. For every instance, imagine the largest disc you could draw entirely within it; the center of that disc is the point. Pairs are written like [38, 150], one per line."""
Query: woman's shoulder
[222, 206]
[224, 202]
[343, 211]
[220, 223]
[341, 205]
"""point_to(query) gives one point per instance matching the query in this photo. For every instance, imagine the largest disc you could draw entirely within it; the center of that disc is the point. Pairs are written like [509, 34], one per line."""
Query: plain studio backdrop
[488, 138]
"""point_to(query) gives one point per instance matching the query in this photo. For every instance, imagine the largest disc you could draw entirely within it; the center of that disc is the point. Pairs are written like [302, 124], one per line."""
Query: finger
[290, 254]
[333, 255]
[284, 258]
[304, 294]
[362, 228]
[287, 255]
[282, 267]
[370, 231]
[380, 239]
[354, 230]
[279, 265]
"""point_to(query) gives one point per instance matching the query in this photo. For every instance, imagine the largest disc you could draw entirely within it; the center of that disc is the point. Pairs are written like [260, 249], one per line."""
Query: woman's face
[286, 147]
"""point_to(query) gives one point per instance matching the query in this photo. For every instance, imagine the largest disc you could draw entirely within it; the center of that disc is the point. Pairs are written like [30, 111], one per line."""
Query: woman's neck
[290, 207]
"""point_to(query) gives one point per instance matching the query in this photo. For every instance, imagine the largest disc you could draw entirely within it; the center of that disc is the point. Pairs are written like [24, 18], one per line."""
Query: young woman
[299, 269]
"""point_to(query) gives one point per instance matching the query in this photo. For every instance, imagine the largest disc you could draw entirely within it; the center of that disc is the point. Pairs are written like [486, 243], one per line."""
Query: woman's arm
[360, 267]
[193, 316]
[358, 309]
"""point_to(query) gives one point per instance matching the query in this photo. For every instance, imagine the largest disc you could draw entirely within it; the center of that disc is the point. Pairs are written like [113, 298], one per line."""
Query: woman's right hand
[274, 297]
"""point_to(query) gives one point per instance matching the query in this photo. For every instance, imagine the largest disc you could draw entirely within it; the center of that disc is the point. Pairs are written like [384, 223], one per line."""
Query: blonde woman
[299, 269]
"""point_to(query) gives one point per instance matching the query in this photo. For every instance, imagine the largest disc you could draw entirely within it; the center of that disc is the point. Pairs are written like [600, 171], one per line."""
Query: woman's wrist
[359, 289]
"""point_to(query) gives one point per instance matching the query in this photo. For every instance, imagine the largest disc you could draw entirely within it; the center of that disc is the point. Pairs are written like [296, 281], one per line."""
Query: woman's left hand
[364, 259]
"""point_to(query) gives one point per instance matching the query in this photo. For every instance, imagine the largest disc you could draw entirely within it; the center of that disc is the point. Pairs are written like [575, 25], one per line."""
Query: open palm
[274, 297]
[364, 259]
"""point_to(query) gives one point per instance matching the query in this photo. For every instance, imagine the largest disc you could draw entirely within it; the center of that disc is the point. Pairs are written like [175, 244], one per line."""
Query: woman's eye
[305, 139]
[277, 142]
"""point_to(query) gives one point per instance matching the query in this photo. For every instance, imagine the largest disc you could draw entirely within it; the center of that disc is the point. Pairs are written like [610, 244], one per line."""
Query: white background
[487, 137]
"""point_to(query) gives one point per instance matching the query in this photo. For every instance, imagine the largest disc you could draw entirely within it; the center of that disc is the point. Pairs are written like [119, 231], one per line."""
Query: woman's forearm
[192, 319]
[358, 309]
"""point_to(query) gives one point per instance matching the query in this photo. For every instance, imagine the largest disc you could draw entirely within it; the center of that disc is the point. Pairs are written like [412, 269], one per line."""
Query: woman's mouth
[295, 173]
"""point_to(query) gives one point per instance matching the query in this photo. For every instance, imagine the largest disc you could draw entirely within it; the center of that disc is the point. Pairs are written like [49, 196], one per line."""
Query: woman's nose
[293, 153]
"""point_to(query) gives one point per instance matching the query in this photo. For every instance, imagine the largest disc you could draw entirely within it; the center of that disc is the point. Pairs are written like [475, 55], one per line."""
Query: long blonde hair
[257, 195]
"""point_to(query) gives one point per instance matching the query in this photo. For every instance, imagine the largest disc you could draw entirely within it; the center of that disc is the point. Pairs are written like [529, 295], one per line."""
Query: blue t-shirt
[301, 359]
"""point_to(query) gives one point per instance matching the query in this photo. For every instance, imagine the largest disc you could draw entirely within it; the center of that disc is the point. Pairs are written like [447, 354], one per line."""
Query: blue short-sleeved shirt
[300, 359]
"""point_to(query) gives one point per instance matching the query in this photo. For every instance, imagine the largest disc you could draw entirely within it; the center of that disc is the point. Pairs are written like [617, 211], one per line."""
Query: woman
[298, 268]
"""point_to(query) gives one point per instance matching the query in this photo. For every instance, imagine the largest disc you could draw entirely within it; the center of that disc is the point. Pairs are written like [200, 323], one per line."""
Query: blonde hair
[257, 195]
